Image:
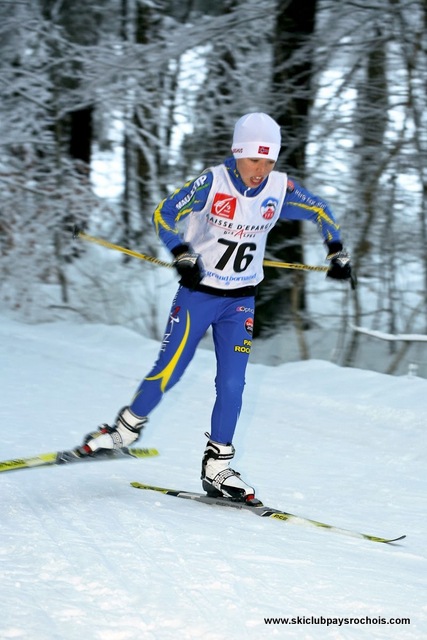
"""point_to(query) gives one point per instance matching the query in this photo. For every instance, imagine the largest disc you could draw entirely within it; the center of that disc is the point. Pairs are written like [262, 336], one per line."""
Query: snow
[407, 337]
[84, 555]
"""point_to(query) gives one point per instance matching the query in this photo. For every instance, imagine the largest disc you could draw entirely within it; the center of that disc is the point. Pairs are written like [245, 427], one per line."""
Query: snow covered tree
[345, 80]
[368, 129]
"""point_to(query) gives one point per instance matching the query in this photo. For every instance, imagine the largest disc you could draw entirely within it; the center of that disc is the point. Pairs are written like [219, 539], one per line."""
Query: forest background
[109, 105]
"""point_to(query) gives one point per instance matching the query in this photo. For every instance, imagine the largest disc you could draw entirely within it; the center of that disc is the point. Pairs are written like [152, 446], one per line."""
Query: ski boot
[126, 430]
[218, 480]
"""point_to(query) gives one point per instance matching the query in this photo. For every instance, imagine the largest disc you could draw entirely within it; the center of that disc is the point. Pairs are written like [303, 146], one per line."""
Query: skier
[216, 227]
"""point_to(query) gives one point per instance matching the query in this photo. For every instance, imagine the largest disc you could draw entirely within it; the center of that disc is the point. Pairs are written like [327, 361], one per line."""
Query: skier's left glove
[189, 265]
[340, 267]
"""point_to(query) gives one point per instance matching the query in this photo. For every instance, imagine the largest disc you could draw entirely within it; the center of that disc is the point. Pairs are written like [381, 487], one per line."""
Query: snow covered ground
[84, 555]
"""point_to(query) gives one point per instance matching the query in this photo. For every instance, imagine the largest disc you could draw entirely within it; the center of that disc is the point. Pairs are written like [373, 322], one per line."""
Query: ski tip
[392, 540]
[383, 540]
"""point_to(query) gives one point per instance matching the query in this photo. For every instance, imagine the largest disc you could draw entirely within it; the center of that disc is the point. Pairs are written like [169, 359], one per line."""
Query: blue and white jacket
[227, 223]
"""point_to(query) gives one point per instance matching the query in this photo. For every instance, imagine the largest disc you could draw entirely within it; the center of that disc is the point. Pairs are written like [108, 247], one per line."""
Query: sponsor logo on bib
[268, 208]
[224, 206]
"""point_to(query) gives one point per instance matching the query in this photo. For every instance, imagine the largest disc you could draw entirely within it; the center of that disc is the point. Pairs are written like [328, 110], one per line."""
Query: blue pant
[192, 313]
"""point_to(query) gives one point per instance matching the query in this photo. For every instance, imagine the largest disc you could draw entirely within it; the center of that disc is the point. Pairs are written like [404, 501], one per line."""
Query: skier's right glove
[189, 265]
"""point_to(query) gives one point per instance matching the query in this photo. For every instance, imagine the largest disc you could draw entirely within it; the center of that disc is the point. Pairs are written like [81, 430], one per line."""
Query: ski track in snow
[82, 554]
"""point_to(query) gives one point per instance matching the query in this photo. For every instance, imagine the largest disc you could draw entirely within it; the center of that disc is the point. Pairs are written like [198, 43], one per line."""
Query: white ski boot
[126, 430]
[218, 480]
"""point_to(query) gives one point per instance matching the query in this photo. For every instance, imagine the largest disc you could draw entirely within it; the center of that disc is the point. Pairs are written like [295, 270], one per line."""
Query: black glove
[340, 267]
[189, 265]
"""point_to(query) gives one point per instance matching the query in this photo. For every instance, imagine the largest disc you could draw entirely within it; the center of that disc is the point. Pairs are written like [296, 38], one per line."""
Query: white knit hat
[256, 135]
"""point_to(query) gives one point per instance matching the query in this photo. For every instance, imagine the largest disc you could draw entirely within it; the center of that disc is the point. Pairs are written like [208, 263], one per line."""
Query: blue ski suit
[210, 214]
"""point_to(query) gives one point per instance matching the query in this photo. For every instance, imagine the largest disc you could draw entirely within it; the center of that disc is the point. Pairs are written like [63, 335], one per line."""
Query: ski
[257, 507]
[71, 457]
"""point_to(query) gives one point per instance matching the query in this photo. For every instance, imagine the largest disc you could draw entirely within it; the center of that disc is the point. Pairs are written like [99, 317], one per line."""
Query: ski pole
[78, 233]
[293, 265]
[306, 267]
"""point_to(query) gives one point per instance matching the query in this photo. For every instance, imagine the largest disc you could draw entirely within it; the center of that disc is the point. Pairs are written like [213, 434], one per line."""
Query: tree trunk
[371, 125]
[81, 137]
[292, 99]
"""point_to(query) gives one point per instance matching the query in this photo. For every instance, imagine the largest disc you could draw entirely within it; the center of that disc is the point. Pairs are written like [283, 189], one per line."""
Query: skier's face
[254, 170]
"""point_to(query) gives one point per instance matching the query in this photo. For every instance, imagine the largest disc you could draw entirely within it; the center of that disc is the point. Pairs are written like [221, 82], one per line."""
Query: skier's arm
[177, 206]
[300, 204]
